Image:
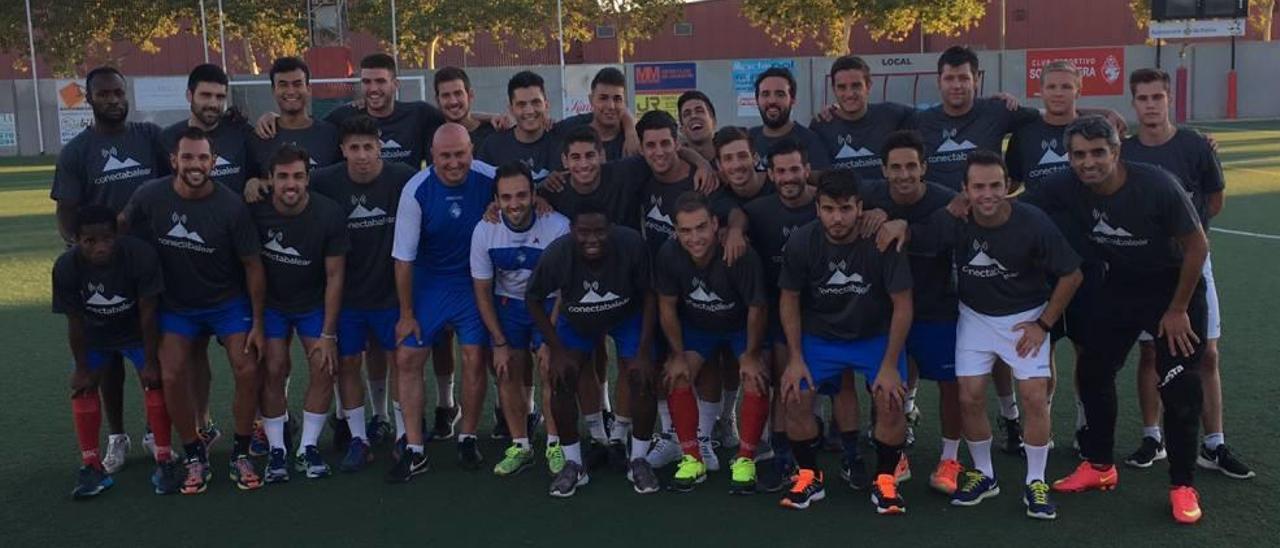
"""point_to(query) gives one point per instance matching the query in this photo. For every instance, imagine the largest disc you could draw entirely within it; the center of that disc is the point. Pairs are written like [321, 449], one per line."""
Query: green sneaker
[555, 458]
[689, 473]
[743, 476]
[514, 461]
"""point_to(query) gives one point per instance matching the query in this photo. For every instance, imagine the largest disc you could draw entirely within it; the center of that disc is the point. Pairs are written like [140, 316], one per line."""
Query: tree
[69, 33]
[831, 22]
[633, 20]
[424, 26]
[283, 33]
[1261, 15]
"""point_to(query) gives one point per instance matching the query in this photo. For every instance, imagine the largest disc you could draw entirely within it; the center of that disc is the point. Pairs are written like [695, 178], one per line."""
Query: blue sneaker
[91, 482]
[357, 457]
[379, 431]
[277, 467]
[974, 488]
[1036, 499]
[312, 463]
[258, 445]
[168, 477]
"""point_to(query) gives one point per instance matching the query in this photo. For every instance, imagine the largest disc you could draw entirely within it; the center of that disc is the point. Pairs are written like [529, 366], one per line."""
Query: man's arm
[81, 378]
[335, 269]
[888, 378]
[255, 280]
[704, 177]
[1175, 325]
[1213, 203]
[408, 323]
[670, 322]
[735, 237]
[65, 214]
[630, 139]
[150, 327]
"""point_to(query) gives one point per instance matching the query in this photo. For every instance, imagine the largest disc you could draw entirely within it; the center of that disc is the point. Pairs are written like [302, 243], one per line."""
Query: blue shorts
[933, 347]
[517, 324]
[626, 336]
[705, 343]
[437, 307]
[829, 358]
[99, 358]
[229, 318]
[355, 326]
[278, 325]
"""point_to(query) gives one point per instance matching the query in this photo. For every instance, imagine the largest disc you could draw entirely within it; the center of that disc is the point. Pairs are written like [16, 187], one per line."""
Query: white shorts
[980, 339]
[1213, 324]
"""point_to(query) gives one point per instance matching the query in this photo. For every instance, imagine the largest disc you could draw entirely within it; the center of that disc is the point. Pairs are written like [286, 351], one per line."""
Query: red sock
[751, 418]
[158, 420]
[684, 413]
[86, 410]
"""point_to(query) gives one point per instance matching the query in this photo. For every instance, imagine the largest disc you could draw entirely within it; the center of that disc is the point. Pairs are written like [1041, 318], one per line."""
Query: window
[605, 31]
[684, 28]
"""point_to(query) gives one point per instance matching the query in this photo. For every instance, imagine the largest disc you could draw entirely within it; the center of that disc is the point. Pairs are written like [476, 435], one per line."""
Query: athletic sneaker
[244, 474]
[198, 476]
[469, 456]
[641, 476]
[774, 474]
[209, 434]
[708, 452]
[975, 487]
[341, 434]
[258, 444]
[618, 459]
[378, 430]
[1012, 442]
[1186, 504]
[555, 458]
[446, 423]
[595, 456]
[312, 462]
[665, 451]
[409, 465]
[725, 432]
[149, 442]
[399, 447]
[357, 457]
[118, 446]
[689, 473]
[854, 472]
[566, 483]
[1222, 460]
[90, 482]
[1148, 453]
[500, 429]
[902, 472]
[884, 494]
[277, 467]
[168, 477]
[742, 476]
[1036, 499]
[515, 459]
[806, 490]
[1086, 477]
[946, 477]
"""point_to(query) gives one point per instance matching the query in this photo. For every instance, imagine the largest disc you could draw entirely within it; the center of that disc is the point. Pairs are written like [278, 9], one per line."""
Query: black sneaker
[1012, 442]
[854, 472]
[446, 422]
[618, 458]
[806, 490]
[500, 429]
[773, 475]
[469, 456]
[1222, 460]
[596, 456]
[1150, 451]
[341, 434]
[531, 424]
[90, 482]
[409, 465]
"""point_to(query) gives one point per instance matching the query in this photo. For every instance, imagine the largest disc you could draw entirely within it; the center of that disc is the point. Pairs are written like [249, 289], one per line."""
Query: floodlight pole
[204, 32]
[560, 35]
[35, 79]
[222, 35]
[395, 40]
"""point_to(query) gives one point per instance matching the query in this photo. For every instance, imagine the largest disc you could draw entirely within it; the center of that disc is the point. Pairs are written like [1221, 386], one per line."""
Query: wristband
[500, 345]
[328, 336]
[1043, 325]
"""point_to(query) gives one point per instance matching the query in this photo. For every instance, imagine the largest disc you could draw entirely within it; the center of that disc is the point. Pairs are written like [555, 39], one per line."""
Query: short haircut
[983, 157]
[514, 168]
[1061, 65]
[359, 124]
[378, 61]
[289, 153]
[777, 72]
[449, 74]
[103, 70]
[695, 95]
[289, 64]
[958, 56]
[206, 73]
[93, 215]
[609, 76]
[657, 119]
[692, 201]
[580, 134]
[525, 79]
[728, 135]
[787, 145]
[192, 133]
[1091, 127]
[839, 184]
[589, 207]
[902, 138]
[1147, 76]
[850, 62]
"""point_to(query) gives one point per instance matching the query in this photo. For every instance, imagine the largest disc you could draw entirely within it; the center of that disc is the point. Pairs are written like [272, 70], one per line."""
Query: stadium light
[35, 79]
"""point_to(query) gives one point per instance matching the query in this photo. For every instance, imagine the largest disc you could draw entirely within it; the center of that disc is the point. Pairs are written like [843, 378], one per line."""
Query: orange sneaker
[902, 472]
[884, 494]
[1087, 477]
[945, 476]
[806, 490]
[1186, 504]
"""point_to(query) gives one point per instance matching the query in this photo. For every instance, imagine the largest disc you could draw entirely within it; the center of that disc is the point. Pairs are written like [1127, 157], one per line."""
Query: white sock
[910, 405]
[552, 439]
[1212, 441]
[981, 453]
[1152, 432]
[708, 414]
[664, 413]
[1009, 407]
[605, 403]
[621, 425]
[355, 421]
[1037, 457]
[312, 425]
[573, 453]
[729, 404]
[338, 410]
[639, 448]
[274, 427]
[950, 449]
[1081, 421]
[532, 402]
[444, 391]
[399, 415]
[378, 397]
[522, 443]
[595, 423]
[465, 437]
[415, 448]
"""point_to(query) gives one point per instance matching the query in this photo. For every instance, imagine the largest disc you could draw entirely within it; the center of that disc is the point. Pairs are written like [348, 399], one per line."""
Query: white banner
[8, 130]
[1208, 28]
[164, 93]
[577, 88]
[74, 112]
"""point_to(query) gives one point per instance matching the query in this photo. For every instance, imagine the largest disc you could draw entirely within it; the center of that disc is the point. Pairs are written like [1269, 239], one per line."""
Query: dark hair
[359, 124]
[787, 145]
[206, 73]
[1091, 127]
[289, 153]
[956, 56]
[839, 184]
[850, 62]
[589, 207]
[695, 95]
[525, 79]
[192, 133]
[728, 135]
[1147, 76]
[580, 134]
[91, 215]
[378, 61]
[104, 70]
[691, 201]
[777, 72]
[657, 119]
[449, 74]
[609, 76]
[289, 64]
[514, 168]
[982, 157]
[902, 138]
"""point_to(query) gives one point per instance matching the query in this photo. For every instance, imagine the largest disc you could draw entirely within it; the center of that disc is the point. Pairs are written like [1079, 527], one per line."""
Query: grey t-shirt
[541, 156]
[1036, 151]
[406, 133]
[819, 157]
[769, 224]
[948, 140]
[594, 298]
[1188, 157]
[96, 168]
[107, 296]
[619, 191]
[320, 141]
[612, 147]
[857, 144]
[713, 298]
[236, 156]
[935, 292]
[294, 249]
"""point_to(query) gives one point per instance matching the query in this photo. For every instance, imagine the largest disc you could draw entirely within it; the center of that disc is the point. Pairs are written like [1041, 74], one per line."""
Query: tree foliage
[1261, 15]
[830, 22]
[282, 33]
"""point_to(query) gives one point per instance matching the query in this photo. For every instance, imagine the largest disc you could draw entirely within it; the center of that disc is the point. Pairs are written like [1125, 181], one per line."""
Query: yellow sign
[663, 101]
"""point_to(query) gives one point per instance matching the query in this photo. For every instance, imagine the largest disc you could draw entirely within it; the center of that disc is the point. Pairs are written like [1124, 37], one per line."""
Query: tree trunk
[622, 50]
[250, 58]
[846, 40]
[431, 53]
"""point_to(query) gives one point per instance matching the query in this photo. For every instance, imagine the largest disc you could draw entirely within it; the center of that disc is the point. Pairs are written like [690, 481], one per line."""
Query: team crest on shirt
[594, 301]
[116, 169]
[181, 237]
[840, 282]
[366, 217]
[852, 156]
[1107, 233]
[98, 303]
[983, 265]
[276, 250]
[703, 298]
[455, 210]
[951, 150]
[655, 220]
[223, 167]
[393, 150]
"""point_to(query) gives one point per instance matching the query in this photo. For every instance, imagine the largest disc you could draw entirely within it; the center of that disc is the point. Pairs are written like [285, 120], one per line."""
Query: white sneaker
[709, 457]
[149, 443]
[117, 449]
[726, 432]
[665, 451]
